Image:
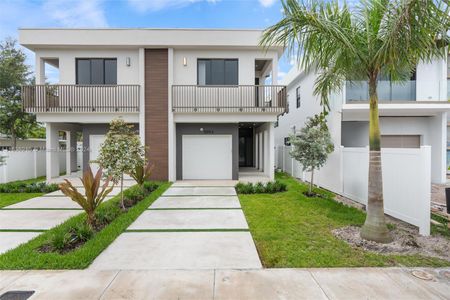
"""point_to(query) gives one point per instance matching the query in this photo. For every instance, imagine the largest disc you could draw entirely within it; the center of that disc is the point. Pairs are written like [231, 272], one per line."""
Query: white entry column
[52, 149]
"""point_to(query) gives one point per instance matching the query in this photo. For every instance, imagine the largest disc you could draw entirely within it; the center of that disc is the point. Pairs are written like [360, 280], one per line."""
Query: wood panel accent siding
[156, 111]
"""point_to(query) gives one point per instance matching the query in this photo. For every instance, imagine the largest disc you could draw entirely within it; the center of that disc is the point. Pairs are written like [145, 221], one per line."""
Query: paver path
[190, 227]
[23, 221]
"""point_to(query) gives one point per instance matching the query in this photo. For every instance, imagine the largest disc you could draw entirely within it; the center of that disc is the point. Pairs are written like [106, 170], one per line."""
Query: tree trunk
[121, 192]
[91, 219]
[375, 228]
[13, 139]
[311, 182]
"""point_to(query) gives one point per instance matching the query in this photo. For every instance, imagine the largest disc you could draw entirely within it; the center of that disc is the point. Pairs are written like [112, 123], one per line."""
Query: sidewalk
[357, 283]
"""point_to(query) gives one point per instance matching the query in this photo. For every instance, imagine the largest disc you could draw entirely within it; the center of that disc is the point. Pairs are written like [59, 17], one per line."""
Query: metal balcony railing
[80, 98]
[229, 98]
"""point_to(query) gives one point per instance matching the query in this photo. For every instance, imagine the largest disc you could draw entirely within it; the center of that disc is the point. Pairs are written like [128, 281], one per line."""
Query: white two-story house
[203, 101]
[412, 113]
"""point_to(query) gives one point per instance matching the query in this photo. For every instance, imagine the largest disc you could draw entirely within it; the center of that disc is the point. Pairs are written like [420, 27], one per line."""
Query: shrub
[149, 186]
[59, 240]
[260, 188]
[142, 172]
[82, 232]
[22, 187]
[134, 195]
[93, 197]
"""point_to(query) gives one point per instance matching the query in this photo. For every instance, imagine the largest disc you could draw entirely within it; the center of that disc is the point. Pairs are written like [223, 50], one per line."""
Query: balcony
[80, 98]
[229, 99]
[387, 91]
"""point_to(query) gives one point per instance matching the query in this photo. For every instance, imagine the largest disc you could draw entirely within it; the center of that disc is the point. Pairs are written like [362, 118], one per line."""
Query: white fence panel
[355, 173]
[406, 182]
[40, 163]
[21, 165]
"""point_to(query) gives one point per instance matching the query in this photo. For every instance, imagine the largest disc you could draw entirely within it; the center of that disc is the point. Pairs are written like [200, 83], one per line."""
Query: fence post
[5, 166]
[425, 157]
[35, 167]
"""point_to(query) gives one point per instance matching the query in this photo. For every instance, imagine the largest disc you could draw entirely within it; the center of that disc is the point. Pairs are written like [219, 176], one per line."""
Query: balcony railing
[236, 98]
[387, 91]
[80, 98]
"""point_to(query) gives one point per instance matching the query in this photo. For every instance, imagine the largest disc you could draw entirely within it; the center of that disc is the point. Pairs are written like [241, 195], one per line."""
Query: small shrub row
[76, 235]
[260, 188]
[22, 187]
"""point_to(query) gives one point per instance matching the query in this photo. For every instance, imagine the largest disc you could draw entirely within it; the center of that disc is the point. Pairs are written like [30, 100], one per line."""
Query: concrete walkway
[25, 220]
[348, 284]
[192, 226]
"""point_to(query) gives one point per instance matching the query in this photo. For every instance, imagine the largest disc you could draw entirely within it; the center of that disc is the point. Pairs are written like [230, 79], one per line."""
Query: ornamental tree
[312, 146]
[121, 152]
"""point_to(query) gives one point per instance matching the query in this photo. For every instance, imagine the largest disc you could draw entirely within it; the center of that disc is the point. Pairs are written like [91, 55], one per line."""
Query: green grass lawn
[291, 230]
[26, 256]
[12, 198]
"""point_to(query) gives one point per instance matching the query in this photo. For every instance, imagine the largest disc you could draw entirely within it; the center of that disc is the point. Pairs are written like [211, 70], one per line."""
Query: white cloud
[155, 5]
[76, 13]
[281, 75]
[267, 3]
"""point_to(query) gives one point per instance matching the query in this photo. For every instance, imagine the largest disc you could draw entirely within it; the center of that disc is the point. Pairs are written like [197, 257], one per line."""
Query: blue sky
[139, 13]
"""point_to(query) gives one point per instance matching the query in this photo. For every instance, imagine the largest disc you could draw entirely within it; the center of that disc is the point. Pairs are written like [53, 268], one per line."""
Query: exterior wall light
[128, 62]
[184, 61]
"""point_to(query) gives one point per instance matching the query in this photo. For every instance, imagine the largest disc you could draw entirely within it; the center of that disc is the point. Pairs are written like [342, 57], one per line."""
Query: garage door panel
[207, 156]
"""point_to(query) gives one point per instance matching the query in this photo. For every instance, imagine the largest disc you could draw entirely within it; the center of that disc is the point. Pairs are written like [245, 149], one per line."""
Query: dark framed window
[217, 72]
[297, 96]
[287, 141]
[96, 71]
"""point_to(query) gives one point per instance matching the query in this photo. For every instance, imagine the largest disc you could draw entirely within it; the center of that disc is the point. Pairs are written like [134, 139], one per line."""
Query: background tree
[312, 146]
[14, 73]
[121, 152]
[371, 38]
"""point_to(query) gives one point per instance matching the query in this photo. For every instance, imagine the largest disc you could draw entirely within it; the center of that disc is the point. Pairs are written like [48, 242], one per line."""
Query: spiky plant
[94, 193]
[142, 172]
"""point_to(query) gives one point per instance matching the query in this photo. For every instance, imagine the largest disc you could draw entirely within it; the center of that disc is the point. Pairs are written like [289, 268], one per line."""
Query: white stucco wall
[67, 66]
[431, 81]
[187, 75]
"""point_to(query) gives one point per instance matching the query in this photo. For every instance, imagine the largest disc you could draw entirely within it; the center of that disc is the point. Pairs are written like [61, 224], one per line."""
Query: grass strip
[23, 230]
[7, 199]
[26, 257]
[291, 230]
[188, 230]
[41, 208]
[197, 208]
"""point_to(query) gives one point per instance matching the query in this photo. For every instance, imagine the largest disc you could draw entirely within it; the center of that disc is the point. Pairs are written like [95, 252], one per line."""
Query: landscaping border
[26, 256]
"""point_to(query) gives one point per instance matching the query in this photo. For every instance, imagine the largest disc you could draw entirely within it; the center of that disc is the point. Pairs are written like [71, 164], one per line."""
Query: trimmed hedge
[24, 187]
[270, 187]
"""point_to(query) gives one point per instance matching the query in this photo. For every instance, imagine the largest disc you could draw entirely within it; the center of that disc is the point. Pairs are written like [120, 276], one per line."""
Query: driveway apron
[190, 227]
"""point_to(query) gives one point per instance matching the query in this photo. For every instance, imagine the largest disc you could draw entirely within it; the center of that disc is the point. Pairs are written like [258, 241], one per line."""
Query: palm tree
[361, 42]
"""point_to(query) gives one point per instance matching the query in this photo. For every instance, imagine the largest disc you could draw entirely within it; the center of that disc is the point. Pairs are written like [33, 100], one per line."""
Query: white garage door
[207, 156]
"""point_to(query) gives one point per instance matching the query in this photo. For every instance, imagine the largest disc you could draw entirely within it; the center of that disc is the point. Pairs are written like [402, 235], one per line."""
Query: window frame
[224, 60]
[104, 59]
[298, 97]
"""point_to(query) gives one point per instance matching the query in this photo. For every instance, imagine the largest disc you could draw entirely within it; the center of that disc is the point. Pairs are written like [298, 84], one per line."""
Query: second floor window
[297, 95]
[96, 70]
[217, 72]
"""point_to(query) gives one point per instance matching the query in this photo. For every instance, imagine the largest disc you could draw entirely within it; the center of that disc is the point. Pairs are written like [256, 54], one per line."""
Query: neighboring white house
[413, 122]
[200, 99]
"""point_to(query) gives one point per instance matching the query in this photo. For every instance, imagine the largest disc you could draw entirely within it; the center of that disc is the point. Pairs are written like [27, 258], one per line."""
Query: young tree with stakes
[121, 152]
[312, 146]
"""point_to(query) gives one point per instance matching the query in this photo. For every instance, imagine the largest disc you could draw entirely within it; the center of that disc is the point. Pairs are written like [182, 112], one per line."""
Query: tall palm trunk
[375, 228]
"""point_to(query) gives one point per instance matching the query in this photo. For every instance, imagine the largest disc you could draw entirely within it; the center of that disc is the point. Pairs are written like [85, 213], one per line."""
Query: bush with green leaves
[270, 187]
[22, 187]
[121, 152]
[312, 146]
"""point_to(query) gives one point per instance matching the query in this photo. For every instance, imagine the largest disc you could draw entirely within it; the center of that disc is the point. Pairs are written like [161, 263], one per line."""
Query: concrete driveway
[191, 226]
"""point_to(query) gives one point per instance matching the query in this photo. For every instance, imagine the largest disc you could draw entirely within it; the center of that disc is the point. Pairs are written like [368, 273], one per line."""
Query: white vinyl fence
[22, 165]
[406, 179]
